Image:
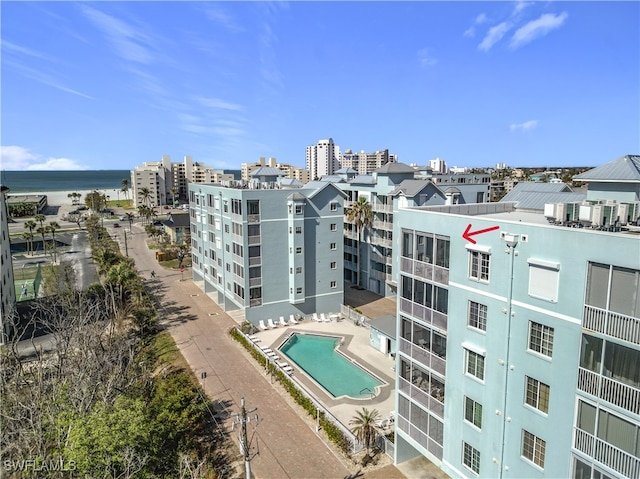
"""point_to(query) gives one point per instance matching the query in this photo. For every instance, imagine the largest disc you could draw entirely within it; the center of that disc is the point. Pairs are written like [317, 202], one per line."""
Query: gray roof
[332, 179]
[363, 180]
[386, 325]
[291, 182]
[343, 171]
[411, 188]
[296, 196]
[533, 196]
[267, 171]
[392, 168]
[177, 220]
[626, 168]
[318, 186]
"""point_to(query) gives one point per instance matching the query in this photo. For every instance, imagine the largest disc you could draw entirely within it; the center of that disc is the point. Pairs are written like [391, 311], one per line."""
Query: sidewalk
[288, 446]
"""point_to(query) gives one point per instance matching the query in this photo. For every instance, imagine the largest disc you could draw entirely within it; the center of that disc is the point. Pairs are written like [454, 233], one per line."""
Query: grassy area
[126, 204]
[173, 263]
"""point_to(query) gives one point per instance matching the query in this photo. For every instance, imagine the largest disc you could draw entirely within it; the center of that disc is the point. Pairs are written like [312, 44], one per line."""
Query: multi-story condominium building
[167, 181]
[395, 185]
[266, 249]
[438, 166]
[519, 335]
[7, 287]
[365, 163]
[290, 171]
[321, 159]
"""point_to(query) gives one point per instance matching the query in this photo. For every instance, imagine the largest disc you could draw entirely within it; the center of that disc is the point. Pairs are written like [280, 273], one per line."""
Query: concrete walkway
[286, 445]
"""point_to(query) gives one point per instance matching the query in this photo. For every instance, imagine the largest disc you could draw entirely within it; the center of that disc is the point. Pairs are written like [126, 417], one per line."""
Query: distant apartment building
[167, 181]
[365, 163]
[321, 159]
[518, 350]
[7, 286]
[266, 250]
[438, 165]
[388, 189]
[290, 171]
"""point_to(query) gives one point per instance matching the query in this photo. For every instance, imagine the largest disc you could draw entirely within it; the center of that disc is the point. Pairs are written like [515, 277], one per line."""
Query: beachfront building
[7, 286]
[518, 352]
[266, 250]
[394, 185]
[321, 159]
[365, 163]
[167, 181]
[290, 171]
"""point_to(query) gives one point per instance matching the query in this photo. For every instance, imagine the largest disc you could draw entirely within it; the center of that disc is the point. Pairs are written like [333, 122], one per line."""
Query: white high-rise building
[322, 159]
[7, 287]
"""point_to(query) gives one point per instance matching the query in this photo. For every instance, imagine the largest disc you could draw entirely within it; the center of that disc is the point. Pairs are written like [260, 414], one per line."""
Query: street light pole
[512, 242]
[242, 419]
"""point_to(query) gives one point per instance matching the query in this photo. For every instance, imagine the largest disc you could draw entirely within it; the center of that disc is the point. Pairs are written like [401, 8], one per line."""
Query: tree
[42, 230]
[30, 225]
[145, 195]
[125, 188]
[95, 200]
[364, 426]
[52, 228]
[174, 193]
[361, 215]
[130, 218]
[40, 218]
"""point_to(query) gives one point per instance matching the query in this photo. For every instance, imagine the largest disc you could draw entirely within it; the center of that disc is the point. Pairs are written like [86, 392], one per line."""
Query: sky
[110, 85]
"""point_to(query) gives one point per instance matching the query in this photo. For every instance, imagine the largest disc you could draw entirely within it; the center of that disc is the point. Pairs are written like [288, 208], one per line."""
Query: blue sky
[108, 85]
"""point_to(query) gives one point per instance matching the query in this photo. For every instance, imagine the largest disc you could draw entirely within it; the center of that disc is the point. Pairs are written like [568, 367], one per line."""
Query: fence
[358, 319]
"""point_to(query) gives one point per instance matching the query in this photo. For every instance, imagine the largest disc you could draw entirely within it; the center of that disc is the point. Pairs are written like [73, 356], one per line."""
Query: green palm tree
[174, 193]
[30, 225]
[145, 194]
[52, 228]
[42, 230]
[28, 237]
[364, 426]
[361, 215]
[125, 188]
[130, 217]
[40, 218]
[120, 277]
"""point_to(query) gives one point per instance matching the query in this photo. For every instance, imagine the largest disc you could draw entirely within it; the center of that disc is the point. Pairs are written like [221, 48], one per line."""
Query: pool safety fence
[356, 446]
[350, 314]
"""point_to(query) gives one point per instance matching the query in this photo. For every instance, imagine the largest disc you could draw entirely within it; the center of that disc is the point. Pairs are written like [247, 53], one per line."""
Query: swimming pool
[316, 355]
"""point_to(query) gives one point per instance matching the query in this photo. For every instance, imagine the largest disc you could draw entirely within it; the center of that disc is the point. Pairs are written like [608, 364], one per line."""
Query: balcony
[255, 281]
[613, 324]
[253, 218]
[612, 457]
[253, 239]
[382, 225]
[382, 208]
[610, 390]
[255, 261]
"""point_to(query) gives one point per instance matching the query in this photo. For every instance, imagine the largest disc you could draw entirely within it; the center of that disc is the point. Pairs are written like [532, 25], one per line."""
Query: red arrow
[468, 235]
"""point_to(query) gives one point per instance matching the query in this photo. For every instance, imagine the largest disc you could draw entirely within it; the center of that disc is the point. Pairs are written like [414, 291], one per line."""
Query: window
[334, 227]
[473, 412]
[475, 364]
[334, 284]
[442, 253]
[299, 250]
[479, 265]
[333, 246]
[471, 457]
[298, 209]
[478, 315]
[533, 448]
[540, 338]
[544, 278]
[334, 206]
[334, 265]
[298, 290]
[298, 230]
[537, 395]
[226, 228]
[618, 432]
[299, 270]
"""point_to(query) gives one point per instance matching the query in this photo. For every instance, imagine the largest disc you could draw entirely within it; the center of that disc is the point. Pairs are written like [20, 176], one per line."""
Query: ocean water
[29, 181]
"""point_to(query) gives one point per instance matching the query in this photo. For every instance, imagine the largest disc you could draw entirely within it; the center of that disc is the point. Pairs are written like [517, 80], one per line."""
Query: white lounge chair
[266, 350]
[282, 321]
[325, 318]
[271, 324]
[261, 325]
[292, 319]
[315, 317]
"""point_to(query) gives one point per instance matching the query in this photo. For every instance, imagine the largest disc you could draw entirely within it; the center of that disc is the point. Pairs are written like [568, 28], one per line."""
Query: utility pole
[126, 249]
[242, 419]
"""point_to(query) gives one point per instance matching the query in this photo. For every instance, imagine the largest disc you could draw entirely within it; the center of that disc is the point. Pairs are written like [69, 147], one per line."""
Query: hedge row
[334, 434]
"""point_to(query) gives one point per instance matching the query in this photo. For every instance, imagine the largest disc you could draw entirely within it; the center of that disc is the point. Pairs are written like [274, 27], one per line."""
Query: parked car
[123, 218]
[116, 225]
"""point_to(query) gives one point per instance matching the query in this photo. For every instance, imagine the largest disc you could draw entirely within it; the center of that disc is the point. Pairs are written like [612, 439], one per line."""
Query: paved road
[288, 447]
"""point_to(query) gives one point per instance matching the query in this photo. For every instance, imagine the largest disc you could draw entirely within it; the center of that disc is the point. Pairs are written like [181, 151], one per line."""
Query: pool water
[316, 355]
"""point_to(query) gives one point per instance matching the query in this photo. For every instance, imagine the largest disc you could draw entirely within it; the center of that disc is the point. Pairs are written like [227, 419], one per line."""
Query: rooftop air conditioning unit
[623, 213]
[560, 213]
[550, 212]
[584, 214]
[573, 212]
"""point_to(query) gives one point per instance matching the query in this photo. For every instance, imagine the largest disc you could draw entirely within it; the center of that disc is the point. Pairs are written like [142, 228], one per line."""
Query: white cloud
[494, 35]
[471, 31]
[425, 58]
[18, 158]
[220, 104]
[520, 6]
[480, 19]
[526, 126]
[217, 15]
[126, 39]
[537, 28]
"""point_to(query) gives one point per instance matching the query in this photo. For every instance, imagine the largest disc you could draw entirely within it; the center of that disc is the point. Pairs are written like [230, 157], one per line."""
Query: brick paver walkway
[288, 447]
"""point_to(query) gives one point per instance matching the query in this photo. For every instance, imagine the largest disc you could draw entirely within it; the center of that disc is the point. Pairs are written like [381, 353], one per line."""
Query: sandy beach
[61, 198]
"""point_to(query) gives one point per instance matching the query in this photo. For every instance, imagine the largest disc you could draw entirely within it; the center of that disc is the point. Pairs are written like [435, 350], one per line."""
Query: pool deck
[356, 346]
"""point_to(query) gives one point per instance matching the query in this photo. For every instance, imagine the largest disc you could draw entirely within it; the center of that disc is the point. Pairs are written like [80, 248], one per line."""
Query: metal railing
[614, 324]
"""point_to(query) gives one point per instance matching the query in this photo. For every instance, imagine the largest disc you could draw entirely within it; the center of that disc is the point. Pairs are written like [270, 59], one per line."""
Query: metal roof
[346, 170]
[332, 179]
[267, 171]
[533, 196]
[626, 168]
[391, 168]
[386, 325]
[363, 180]
[411, 188]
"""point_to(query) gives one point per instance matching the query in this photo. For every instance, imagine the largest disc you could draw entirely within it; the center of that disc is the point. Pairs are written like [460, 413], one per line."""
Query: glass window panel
[586, 417]
[597, 285]
[624, 291]
[622, 363]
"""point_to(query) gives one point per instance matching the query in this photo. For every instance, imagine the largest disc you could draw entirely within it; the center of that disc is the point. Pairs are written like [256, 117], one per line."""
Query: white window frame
[476, 408]
[479, 260]
[471, 458]
[480, 316]
[544, 279]
[537, 448]
[333, 246]
[547, 336]
[533, 392]
[334, 265]
[334, 284]
[334, 227]
[469, 355]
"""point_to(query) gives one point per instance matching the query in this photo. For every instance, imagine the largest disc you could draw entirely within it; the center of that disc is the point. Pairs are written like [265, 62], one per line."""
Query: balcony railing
[614, 324]
[255, 302]
[603, 452]
[608, 389]
[379, 207]
[255, 281]
[253, 218]
[254, 261]
[253, 239]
